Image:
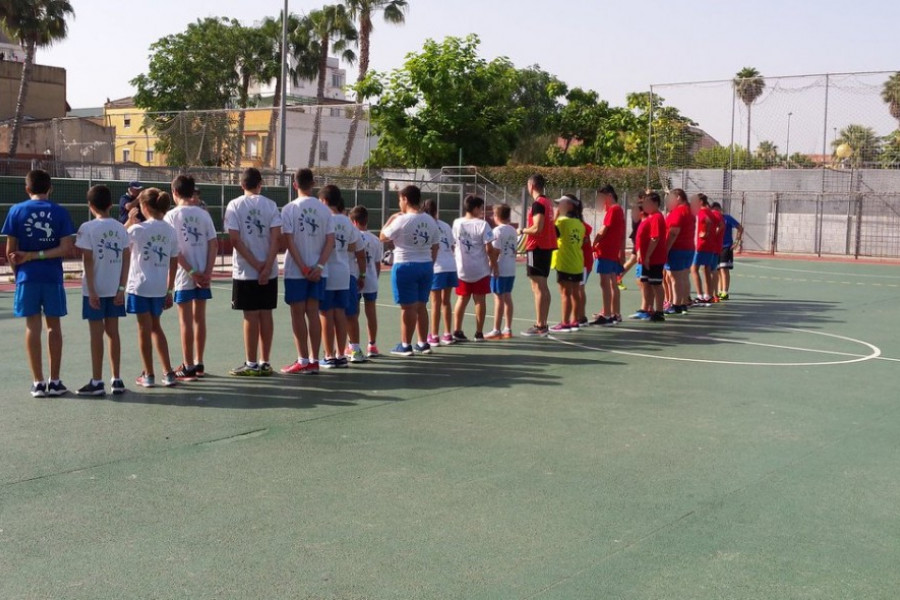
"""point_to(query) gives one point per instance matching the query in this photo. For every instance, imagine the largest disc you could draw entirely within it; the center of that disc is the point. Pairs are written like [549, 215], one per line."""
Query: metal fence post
[820, 225]
[859, 218]
[773, 242]
[385, 192]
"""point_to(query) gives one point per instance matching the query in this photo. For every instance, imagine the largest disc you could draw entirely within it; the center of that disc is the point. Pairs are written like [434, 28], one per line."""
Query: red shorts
[482, 287]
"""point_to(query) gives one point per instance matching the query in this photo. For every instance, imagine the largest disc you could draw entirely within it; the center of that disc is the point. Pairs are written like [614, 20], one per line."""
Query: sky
[611, 46]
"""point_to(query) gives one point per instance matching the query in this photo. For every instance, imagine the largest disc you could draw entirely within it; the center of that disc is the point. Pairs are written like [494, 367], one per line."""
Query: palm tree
[767, 152]
[749, 85]
[864, 143]
[361, 11]
[34, 24]
[253, 50]
[334, 30]
[890, 93]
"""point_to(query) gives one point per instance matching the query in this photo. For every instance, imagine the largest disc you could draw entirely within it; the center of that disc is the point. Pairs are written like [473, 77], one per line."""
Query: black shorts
[726, 259]
[249, 295]
[569, 277]
[653, 275]
[539, 263]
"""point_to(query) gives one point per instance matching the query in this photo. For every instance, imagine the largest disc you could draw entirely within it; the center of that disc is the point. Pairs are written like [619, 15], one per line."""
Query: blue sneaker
[640, 315]
[329, 363]
[422, 348]
[402, 349]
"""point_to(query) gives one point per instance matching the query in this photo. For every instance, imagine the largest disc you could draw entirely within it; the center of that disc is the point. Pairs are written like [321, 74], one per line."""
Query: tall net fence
[812, 163]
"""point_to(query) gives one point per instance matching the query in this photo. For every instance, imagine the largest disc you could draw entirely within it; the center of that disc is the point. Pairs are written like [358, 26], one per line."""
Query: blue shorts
[34, 298]
[411, 282]
[502, 285]
[604, 266]
[638, 271]
[444, 281]
[182, 296]
[706, 259]
[332, 299]
[108, 309]
[352, 308]
[303, 290]
[372, 297]
[139, 305]
[680, 260]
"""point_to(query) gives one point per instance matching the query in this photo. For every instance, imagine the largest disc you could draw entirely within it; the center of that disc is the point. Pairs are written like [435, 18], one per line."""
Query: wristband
[41, 255]
[169, 292]
[191, 272]
[362, 276]
[305, 271]
[121, 288]
[320, 267]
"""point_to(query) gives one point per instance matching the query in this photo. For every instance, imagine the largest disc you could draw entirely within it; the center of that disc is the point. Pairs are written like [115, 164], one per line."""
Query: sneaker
[574, 327]
[641, 315]
[617, 318]
[92, 389]
[700, 302]
[459, 336]
[358, 356]
[200, 370]
[342, 362]
[117, 386]
[493, 334]
[170, 379]
[245, 370]
[266, 370]
[421, 348]
[657, 317]
[56, 389]
[672, 310]
[506, 334]
[434, 340]
[447, 340]
[714, 300]
[535, 331]
[185, 374]
[295, 368]
[621, 284]
[583, 321]
[39, 390]
[560, 328]
[372, 351]
[479, 336]
[724, 296]
[402, 349]
[602, 321]
[667, 305]
[147, 381]
[329, 363]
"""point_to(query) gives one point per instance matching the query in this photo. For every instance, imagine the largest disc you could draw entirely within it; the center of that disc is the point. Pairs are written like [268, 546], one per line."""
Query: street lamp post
[282, 161]
[787, 146]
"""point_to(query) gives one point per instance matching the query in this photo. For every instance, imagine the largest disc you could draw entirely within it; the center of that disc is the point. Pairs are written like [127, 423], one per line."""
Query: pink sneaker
[433, 340]
[446, 340]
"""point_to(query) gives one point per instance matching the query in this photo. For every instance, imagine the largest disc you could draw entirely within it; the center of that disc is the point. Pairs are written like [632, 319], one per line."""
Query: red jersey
[653, 226]
[706, 231]
[586, 247]
[682, 218]
[720, 236]
[546, 238]
[612, 242]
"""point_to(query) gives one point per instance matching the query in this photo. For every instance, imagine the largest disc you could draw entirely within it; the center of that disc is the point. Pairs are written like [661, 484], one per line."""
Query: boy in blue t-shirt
[39, 234]
[730, 242]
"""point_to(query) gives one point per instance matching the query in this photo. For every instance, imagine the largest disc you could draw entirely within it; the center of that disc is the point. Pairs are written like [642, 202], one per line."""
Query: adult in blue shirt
[129, 200]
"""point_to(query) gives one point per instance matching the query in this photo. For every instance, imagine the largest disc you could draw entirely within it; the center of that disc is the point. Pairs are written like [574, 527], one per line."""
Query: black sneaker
[657, 317]
[602, 321]
[479, 336]
[459, 336]
[342, 363]
[200, 370]
[92, 389]
[584, 321]
[39, 390]
[117, 386]
[183, 373]
[56, 389]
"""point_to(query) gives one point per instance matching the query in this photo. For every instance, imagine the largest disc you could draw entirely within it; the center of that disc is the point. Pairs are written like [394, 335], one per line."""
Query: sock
[303, 361]
[354, 347]
[55, 381]
[372, 342]
[96, 381]
[252, 365]
[38, 383]
[188, 366]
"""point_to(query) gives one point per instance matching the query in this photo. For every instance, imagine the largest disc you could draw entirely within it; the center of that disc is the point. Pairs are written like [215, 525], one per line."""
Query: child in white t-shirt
[476, 259]
[444, 281]
[103, 242]
[368, 287]
[503, 278]
[253, 223]
[151, 279]
[198, 245]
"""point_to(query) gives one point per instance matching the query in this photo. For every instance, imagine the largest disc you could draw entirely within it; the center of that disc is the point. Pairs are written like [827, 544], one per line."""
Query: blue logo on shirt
[253, 222]
[421, 236]
[307, 219]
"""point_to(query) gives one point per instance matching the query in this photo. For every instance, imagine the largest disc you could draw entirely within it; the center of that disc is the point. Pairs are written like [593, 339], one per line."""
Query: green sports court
[747, 450]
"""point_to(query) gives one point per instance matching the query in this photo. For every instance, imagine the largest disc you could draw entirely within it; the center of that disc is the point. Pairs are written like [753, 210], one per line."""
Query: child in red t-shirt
[652, 253]
[706, 258]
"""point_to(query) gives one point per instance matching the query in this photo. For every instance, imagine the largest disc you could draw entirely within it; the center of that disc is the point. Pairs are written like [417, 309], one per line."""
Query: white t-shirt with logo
[472, 263]
[194, 230]
[254, 217]
[153, 245]
[446, 259]
[308, 222]
[339, 268]
[374, 249]
[505, 240]
[107, 241]
[413, 235]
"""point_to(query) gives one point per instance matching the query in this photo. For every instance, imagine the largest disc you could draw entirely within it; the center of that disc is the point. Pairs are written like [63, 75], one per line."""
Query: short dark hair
[100, 197]
[430, 207]
[184, 186]
[304, 179]
[360, 214]
[703, 198]
[716, 206]
[412, 194]
[156, 199]
[503, 211]
[331, 194]
[38, 182]
[538, 182]
[251, 179]
[608, 190]
[680, 194]
[654, 198]
[472, 202]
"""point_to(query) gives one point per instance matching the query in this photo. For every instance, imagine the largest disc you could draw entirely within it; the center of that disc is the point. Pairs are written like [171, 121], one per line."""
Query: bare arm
[241, 248]
[271, 256]
[673, 233]
[87, 257]
[123, 277]
[645, 260]
[537, 225]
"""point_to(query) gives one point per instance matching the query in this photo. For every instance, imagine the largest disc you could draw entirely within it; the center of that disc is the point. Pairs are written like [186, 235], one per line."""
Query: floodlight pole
[282, 159]
[787, 146]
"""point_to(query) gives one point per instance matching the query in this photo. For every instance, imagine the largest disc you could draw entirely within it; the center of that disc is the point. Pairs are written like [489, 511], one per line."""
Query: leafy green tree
[865, 146]
[333, 28]
[539, 93]
[890, 93]
[767, 153]
[674, 136]
[442, 100]
[798, 160]
[361, 11]
[34, 24]
[749, 85]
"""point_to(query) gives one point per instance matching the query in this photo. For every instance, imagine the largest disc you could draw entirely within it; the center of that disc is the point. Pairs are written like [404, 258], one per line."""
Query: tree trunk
[242, 119]
[273, 124]
[320, 98]
[749, 111]
[365, 32]
[27, 68]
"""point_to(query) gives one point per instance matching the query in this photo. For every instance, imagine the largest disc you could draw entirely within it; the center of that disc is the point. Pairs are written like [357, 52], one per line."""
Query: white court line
[823, 273]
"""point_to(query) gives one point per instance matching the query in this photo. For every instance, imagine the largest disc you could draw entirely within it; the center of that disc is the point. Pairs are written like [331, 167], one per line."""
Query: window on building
[127, 121]
[337, 79]
[126, 155]
[323, 150]
[337, 112]
[150, 156]
[252, 146]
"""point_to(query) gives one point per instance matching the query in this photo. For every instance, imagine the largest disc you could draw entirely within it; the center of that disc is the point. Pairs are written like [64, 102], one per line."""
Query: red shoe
[298, 369]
